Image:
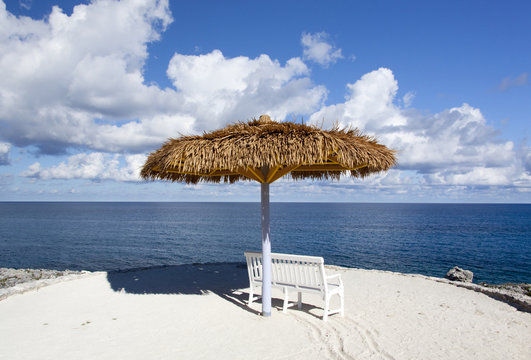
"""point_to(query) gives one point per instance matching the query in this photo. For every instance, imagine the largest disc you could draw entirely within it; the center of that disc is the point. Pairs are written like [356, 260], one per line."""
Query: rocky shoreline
[11, 277]
[516, 295]
[14, 281]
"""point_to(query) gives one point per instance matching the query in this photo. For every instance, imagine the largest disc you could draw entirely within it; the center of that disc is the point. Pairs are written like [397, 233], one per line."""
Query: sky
[89, 88]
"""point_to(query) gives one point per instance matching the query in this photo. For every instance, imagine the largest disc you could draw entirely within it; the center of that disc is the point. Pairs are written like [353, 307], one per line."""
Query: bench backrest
[286, 269]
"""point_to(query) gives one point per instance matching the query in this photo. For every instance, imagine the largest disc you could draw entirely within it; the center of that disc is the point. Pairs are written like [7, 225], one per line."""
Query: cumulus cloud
[218, 90]
[370, 104]
[4, 153]
[453, 147]
[510, 82]
[317, 48]
[91, 166]
[77, 81]
[64, 74]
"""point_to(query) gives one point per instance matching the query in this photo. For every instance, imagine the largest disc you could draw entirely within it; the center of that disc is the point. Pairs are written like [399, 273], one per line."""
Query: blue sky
[88, 88]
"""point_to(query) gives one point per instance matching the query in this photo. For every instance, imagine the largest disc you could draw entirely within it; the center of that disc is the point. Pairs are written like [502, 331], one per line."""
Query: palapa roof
[265, 150]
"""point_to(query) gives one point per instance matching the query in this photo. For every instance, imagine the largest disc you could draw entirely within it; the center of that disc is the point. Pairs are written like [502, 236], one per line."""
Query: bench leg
[327, 305]
[250, 295]
[286, 298]
[299, 300]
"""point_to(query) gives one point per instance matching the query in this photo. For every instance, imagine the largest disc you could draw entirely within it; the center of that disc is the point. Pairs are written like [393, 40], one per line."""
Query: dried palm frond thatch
[265, 150]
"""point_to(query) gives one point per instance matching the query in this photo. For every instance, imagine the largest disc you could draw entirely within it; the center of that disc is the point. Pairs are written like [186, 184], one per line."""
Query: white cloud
[26, 4]
[453, 147]
[369, 104]
[68, 80]
[316, 48]
[473, 176]
[134, 136]
[456, 136]
[408, 98]
[510, 82]
[91, 166]
[77, 82]
[218, 90]
[4, 153]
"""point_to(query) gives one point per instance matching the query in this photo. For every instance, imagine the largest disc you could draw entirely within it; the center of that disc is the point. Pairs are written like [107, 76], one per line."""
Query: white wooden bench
[296, 273]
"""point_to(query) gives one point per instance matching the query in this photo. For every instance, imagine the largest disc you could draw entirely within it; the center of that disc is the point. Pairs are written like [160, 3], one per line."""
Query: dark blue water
[494, 241]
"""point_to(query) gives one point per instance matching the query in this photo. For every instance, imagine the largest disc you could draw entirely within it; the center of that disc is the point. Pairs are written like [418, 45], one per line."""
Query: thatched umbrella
[264, 151]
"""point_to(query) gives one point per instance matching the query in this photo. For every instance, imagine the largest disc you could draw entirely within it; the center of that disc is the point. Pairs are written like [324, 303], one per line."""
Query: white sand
[388, 316]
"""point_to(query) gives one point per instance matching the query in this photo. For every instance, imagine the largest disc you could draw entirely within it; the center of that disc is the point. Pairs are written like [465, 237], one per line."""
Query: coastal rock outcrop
[12, 277]
[16, 281]
[458, 274]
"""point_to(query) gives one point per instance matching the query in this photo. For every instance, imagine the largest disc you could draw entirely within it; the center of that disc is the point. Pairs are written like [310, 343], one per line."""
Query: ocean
[492, 240]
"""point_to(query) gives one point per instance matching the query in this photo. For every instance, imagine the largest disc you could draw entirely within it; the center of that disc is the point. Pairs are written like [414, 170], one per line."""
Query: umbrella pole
[266, 252]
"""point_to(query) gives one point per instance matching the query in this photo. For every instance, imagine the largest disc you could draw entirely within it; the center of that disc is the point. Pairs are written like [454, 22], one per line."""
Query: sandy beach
[201, 313]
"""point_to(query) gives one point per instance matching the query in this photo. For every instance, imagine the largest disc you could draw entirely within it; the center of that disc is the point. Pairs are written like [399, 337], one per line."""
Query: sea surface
[492, 240]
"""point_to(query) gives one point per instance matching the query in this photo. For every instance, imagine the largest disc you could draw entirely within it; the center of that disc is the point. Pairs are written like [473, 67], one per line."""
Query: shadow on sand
[223, 279]
[190, 279]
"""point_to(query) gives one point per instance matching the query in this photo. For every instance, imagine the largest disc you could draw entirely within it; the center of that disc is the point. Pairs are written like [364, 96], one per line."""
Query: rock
[458, 274]
[18, 281]
[520, 289]
[12, 277]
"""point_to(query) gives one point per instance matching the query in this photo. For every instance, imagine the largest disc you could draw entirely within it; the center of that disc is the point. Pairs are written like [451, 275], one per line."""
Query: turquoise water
[492, 240]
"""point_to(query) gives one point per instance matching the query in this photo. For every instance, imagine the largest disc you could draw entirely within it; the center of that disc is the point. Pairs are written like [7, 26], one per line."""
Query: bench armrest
[335, 276]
